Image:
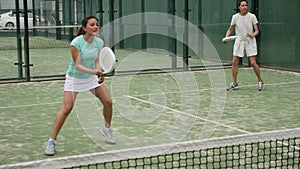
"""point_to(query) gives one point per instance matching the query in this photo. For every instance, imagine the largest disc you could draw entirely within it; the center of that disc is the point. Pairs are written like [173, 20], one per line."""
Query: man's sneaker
[261, 86]
[50, 147]
[107, 133]
[233, 86]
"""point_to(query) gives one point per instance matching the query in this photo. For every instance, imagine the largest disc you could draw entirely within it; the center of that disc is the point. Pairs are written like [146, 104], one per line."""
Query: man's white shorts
[242, 47]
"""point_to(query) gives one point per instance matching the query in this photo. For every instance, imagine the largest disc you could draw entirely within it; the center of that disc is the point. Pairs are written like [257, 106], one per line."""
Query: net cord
[54, 27]
[148, 151]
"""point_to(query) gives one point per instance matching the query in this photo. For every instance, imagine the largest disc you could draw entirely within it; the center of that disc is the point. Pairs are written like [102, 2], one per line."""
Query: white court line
[41, 104]
[207, 89]
[275, 84]
[190, 115]
[201, 118]
[29, 105]
[202, 89]
[6, 59]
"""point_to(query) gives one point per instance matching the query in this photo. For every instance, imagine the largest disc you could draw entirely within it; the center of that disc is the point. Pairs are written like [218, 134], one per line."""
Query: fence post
[186, 35]
[71, 10]
[144, 27]
[258, 39]
[121, 26]
[19, 42]
[58, 30]
[100, 12]
[111, 12]
[200, 27]
[172, 42]
[26, 42]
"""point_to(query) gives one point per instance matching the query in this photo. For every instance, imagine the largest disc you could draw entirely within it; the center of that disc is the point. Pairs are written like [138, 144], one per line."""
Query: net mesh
[275, 149]
[40, 37]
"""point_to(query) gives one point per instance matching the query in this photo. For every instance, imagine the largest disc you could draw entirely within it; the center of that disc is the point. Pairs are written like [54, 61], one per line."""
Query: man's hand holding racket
[228, 38]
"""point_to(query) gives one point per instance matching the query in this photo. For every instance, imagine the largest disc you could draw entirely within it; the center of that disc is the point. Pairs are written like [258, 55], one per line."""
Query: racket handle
[100, 79]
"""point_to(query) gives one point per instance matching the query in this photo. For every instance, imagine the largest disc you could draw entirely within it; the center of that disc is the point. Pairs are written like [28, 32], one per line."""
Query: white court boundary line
[202, 118]
[203, 89]
[207, 89]
[187, 114]
[30, 105]
[165, 107]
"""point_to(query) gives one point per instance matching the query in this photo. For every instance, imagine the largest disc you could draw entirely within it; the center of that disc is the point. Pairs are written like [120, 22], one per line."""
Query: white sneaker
[261, 86]
[50, 147]
[107, 133]
[233, 86]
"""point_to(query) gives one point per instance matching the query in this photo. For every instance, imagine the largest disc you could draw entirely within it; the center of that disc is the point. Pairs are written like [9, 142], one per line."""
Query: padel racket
[229, 38]
[107, 60]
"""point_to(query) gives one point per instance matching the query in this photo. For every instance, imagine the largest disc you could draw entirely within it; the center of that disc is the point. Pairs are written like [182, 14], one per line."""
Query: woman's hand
[99, 73]
[100, 76]
[101, 79]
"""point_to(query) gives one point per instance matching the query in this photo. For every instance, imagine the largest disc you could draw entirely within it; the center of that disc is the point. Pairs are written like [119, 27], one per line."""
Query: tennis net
[40, 37]
[274, 149]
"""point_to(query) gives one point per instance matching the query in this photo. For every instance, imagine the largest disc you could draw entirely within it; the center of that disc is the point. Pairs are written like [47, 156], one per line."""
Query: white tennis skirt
[79, 85]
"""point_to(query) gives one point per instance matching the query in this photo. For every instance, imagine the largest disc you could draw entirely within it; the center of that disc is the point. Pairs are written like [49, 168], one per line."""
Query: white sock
[51, 139]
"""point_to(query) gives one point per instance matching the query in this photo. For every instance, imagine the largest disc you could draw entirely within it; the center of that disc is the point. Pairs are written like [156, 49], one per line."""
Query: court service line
[201, 89]
[42, 104]
[190, 115]
[6, 59]
[201, 118]
[207, 89]
[29, 105]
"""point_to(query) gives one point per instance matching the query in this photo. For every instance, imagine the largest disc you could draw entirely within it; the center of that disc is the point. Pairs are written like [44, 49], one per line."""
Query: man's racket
[229, 38]
[107, 60]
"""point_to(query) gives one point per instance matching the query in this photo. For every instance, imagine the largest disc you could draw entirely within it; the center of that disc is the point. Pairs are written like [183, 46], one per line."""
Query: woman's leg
[102, 94]
[67, 106]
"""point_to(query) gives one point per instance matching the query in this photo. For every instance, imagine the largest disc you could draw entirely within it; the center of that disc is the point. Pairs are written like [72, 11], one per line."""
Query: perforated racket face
[107, 60]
